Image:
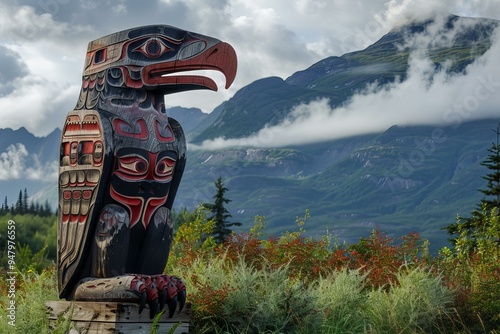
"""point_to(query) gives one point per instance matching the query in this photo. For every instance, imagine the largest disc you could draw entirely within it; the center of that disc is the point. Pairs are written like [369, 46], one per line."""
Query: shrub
[380, 258]
[472, 269]
[342, 298]
[412, 304]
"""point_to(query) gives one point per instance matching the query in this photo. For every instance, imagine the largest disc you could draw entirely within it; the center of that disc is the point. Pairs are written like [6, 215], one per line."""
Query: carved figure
[121, 162]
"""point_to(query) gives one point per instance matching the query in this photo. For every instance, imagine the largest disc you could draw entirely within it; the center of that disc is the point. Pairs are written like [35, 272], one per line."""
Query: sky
[43, 45]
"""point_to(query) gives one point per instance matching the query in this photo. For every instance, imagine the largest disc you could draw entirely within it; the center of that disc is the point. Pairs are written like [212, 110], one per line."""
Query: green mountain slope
[404, 180]
[268, 101]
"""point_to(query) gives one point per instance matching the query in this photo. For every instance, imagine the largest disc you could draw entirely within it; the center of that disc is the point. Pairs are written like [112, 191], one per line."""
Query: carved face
[111, 221]
[141, 181]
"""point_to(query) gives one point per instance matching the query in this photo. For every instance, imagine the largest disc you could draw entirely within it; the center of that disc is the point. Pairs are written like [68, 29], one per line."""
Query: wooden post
[113, 317]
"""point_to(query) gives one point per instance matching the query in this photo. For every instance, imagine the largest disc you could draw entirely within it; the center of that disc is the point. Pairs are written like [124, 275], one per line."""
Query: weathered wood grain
[113, 317]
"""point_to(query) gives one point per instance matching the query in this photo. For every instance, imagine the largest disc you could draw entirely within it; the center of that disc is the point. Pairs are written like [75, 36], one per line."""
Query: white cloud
[272, 38]
[12, 162]
[427, 97]
[37, 104]
[47, 172]
[17, 163]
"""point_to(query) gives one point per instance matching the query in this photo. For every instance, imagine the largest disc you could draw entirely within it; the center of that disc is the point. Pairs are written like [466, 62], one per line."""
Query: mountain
[413, 178]
[353, 185]
[193, 120]
[403, 179]
[270, 100]
[27, 162]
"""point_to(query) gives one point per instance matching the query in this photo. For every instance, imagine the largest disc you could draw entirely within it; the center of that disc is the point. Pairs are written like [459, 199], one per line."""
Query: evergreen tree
[46, 210]
[467, 228]
[5, 204]
[220, 214]
[25, 201]
[492, 162]
[19, 204]
[32, 209]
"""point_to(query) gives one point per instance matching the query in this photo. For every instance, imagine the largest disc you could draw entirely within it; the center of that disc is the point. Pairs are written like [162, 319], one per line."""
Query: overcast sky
[43, 44]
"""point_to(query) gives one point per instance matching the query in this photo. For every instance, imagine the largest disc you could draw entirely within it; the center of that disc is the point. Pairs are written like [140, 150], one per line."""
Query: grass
[294, 284]
[32, 291]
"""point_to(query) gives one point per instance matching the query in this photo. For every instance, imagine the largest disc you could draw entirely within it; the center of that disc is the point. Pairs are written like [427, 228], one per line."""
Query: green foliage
[23, 206]
[472, 265]
[342, 297]
[192, 240]
[413, 303]
[33, 235]
[473, 229]
[32, 291]
[492, 162]
[295, 284]
[26, 261]
[472, 268]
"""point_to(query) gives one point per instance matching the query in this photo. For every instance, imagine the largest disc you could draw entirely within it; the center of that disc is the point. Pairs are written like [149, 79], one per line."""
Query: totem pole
[121, 162]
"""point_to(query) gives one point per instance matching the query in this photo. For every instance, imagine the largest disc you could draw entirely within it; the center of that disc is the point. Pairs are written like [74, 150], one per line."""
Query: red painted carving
[121, 160]
[139, 130]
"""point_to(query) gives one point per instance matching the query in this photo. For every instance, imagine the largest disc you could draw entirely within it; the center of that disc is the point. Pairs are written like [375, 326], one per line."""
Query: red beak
[220, 57]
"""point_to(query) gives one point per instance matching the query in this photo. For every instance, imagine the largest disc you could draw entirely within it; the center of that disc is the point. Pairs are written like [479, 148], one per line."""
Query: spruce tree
[470, 227]
[19, 204]
[492, 162]
[25, 201]
[220, 215]
[46, 210]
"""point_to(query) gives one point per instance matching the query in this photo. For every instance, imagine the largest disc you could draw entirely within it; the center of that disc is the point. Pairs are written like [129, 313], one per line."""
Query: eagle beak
[220, 57]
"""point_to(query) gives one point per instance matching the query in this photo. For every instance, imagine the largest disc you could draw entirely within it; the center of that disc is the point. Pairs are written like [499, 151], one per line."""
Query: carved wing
[83, 158]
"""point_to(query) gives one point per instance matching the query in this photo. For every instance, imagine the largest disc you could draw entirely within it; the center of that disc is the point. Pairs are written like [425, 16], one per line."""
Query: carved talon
[142, 301]
[153, 308]
[171, 295]
[152, 296]
[172, 305]
[156, 291]
[139, 285]
[161, 285]
[181, 292]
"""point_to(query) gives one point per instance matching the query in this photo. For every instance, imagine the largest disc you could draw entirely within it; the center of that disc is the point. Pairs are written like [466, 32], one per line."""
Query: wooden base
[112, 317]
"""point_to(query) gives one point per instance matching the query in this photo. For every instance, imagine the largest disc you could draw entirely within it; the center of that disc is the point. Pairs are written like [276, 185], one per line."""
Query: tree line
[24, 206]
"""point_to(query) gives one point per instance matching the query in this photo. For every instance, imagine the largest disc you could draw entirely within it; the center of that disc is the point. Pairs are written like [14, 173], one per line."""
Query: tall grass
[343, 300]
[411, 305]
[294, 284]
[32, 291]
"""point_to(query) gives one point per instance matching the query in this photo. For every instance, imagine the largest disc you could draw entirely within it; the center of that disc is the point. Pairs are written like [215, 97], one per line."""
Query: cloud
[17, 163]
[12, 162]
[426, 97]
[48, 172]
[11, 68]
[271, 38]
[37, 104]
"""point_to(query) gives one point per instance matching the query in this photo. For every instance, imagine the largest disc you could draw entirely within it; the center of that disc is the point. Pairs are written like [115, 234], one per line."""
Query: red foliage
[307, 258]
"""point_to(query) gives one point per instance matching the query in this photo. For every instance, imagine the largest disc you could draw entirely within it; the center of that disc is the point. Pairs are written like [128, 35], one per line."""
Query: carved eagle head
[157, 57]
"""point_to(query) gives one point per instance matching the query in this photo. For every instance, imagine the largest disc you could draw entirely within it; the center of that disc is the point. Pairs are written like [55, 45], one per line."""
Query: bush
[473, 271]
[304, 285]
[412, 304]
[294, 284]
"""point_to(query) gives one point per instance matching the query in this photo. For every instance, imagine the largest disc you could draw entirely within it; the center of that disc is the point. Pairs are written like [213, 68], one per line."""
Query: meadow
[256, 283]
